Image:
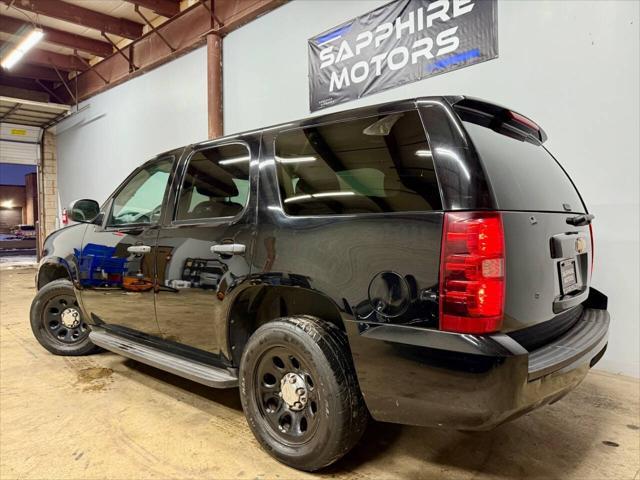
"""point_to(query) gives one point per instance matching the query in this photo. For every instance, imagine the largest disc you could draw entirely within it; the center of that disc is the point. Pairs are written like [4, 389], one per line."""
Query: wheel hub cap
[70, 318]
[293, 390]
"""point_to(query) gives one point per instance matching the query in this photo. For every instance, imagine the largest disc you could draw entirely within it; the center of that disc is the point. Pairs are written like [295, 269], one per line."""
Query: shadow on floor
[548, 443]
[167, 382]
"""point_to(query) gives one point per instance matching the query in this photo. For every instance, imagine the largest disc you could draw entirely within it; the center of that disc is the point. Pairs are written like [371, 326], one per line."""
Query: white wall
[119, 129]
[572, 66]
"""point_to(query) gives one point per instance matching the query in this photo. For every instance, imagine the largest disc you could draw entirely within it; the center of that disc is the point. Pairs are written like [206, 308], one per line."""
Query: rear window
[369, 165]
[523, 174]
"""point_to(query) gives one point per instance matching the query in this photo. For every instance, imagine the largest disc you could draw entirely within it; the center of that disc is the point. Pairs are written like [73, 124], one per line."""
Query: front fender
[61, 250]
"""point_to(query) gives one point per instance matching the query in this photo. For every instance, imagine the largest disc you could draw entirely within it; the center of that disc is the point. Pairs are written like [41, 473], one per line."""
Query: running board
[196, 371]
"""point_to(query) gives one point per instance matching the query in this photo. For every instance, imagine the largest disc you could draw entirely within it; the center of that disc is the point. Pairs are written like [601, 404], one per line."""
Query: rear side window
[216, 183]
[523, 174]
[370, 165]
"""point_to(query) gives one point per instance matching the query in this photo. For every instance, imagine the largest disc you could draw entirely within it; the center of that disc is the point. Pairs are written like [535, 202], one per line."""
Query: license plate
[568, 277]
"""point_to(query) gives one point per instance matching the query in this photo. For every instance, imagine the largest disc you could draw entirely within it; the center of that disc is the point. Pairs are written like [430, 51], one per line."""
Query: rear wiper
[580, 220]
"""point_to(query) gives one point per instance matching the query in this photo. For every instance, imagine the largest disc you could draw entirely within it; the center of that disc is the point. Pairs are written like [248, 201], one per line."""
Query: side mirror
[83, 211]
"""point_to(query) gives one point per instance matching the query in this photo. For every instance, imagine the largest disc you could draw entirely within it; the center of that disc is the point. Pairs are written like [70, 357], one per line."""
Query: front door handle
[228, 248]
[139, 249]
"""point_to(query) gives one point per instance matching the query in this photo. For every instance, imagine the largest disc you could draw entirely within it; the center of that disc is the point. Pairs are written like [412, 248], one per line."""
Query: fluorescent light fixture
[231, 161]
[295, 159]
[424, 153]
[26, 44]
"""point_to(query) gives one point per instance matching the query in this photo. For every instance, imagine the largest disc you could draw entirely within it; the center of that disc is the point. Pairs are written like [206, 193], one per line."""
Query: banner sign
[401, 42]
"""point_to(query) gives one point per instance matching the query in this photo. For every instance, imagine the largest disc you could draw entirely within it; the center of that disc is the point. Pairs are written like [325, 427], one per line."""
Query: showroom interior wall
[119, 129]
[571, 66]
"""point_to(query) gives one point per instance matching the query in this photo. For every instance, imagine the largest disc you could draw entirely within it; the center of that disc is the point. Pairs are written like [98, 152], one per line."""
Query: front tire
[57, 323]
[300, 393]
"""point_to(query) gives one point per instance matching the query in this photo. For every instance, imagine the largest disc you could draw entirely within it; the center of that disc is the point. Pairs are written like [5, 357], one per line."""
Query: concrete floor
[107, 417]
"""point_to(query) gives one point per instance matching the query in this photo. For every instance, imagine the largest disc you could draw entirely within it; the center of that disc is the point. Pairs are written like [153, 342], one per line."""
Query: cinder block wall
[48, 188]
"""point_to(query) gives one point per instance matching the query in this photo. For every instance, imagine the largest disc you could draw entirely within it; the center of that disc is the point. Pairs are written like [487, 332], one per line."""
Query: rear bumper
[419, 377]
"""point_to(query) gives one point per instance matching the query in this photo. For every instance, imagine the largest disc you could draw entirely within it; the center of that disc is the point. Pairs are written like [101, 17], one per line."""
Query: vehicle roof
[369, 110]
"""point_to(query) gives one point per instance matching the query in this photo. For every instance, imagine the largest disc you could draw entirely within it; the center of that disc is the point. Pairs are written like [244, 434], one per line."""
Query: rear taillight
[472, 276]
[524, 121]
[592, 246]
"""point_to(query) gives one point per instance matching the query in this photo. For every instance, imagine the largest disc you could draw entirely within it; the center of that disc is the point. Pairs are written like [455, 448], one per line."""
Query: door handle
[228, 248]
[581, 220]
[139, 249]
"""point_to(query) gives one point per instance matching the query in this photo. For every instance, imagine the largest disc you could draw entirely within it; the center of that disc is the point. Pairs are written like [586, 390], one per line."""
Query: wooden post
[214, 85]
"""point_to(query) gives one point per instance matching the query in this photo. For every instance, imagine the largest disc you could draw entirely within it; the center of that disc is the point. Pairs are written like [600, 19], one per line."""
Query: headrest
[317, 185]
[218, 190]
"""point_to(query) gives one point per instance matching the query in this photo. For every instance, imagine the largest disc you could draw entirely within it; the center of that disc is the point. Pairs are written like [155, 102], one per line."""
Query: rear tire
[300, 393]
[57, 323]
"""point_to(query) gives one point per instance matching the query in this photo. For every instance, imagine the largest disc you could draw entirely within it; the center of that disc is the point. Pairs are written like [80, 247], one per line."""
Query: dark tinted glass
[369, 165]
[523, 175]
[216, 183]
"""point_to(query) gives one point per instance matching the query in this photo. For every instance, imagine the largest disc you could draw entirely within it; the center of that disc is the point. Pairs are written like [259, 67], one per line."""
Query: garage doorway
[19, 212]
[26, 140]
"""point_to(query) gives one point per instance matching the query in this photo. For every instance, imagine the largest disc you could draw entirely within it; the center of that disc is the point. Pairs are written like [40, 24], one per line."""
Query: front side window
[216, 183]
[370, 165]
[140, 200]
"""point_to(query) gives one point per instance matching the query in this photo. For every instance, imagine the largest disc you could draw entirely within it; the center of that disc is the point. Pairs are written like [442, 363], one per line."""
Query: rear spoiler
[496, 117]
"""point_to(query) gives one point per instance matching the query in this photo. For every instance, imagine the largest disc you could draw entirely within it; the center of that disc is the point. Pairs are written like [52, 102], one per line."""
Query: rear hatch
[547, 232]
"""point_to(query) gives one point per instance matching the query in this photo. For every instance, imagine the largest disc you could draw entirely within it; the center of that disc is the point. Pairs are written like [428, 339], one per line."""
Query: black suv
[425, 262]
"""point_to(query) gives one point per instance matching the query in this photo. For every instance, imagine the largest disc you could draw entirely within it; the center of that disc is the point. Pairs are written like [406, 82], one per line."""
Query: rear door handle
[139, 249]
[580, 220]
[228, 248]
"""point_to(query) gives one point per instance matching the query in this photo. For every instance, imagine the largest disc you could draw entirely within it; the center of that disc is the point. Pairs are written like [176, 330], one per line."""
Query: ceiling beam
[45, 58]
[166, 8]
[23, 89]
[32, 72]
[58, 37]
[70, 12]
[21, 82]
[186, 31]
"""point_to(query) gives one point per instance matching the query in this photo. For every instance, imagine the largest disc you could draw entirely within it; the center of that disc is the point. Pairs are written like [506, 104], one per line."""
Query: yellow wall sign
[18, 131]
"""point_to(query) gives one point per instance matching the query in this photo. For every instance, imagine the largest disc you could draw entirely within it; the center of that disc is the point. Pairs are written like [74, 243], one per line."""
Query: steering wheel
[146, 217]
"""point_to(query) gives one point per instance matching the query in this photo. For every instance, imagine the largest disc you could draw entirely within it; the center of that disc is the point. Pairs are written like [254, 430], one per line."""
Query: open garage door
[19, 144]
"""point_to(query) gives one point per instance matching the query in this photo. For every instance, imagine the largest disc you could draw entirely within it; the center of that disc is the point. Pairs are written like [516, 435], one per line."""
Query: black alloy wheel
[300, 393]
[63, 319]
[286, 395]
[57, 320]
